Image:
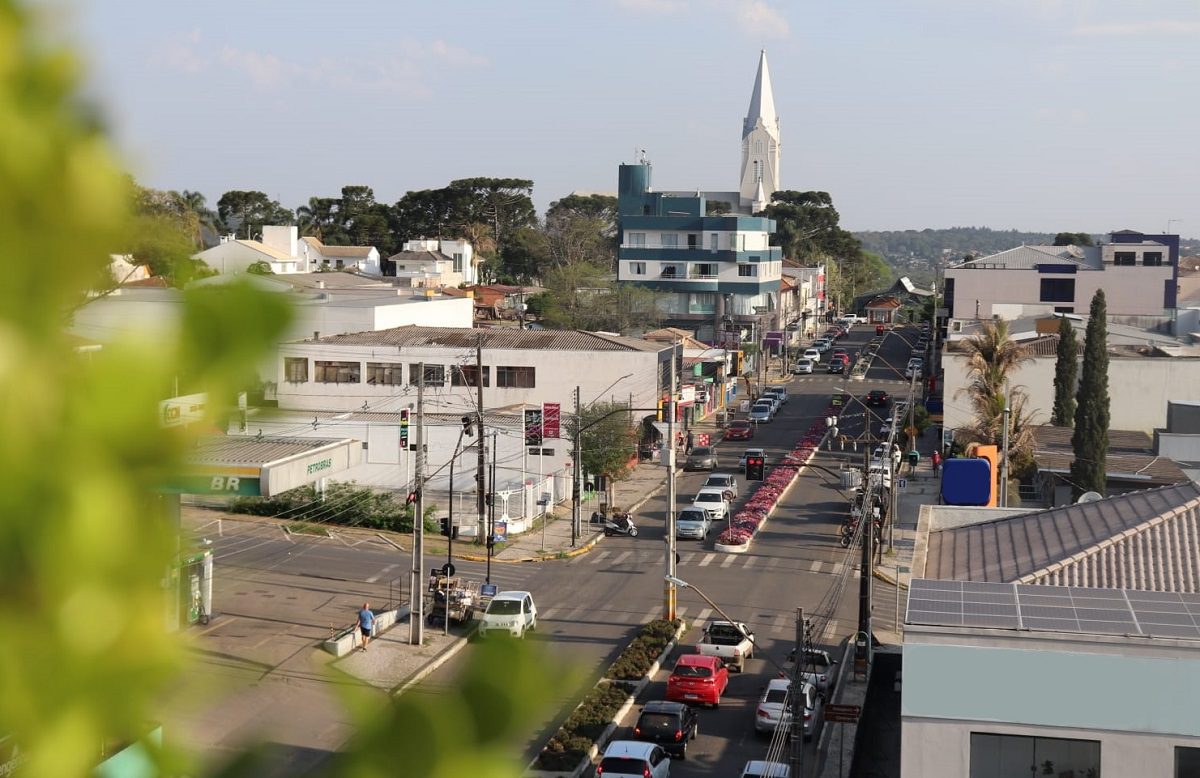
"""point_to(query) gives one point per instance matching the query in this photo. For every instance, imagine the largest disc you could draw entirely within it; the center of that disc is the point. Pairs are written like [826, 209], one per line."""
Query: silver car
[701, 458]
[773, 709]
[762, 411]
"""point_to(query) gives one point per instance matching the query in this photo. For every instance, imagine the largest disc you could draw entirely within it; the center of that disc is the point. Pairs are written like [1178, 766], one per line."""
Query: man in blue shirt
[366, 623]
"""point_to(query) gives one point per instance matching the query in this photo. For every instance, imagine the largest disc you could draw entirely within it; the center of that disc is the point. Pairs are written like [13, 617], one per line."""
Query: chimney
[316, 335]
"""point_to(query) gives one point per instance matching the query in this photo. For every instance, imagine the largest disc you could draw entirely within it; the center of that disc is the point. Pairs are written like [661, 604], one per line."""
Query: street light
[795, 694]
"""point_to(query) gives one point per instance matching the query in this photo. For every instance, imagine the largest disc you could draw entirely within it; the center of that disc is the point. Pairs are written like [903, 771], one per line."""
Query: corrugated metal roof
[338, 251]
[495, 338]
[235, 450]
[1146, 540]
[1029, 257]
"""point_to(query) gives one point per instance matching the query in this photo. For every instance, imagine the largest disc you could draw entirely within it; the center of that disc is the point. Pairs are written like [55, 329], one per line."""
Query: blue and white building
[706, 252]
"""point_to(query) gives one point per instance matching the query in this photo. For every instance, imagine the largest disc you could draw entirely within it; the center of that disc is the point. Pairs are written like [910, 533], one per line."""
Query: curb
[431, 665]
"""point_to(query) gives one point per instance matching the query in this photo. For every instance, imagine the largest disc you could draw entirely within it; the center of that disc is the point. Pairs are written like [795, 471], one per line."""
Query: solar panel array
[1054, 608]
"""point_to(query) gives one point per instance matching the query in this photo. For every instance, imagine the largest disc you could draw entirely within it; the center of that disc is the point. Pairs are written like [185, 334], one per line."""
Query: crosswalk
[614, 558]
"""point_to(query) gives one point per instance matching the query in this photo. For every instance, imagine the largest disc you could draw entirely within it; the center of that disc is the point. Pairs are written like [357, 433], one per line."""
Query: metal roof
[1148, 539]
[494, 338]
[1029, 257]
[235, 450]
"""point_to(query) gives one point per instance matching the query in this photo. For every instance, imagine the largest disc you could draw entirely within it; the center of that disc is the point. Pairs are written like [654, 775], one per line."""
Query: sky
[1039, 115]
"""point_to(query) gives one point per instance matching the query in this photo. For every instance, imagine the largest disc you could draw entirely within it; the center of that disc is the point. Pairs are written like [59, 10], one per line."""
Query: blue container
[966, 482]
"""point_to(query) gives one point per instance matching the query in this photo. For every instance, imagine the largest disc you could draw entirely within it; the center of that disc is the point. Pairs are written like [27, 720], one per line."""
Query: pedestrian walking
[691, 439]
[936, 459]
[366, 624]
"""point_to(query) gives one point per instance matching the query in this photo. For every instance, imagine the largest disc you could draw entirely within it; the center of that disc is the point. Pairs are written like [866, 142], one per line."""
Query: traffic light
[404, 428]
[448, 529]
[756, 468]
[468, 429]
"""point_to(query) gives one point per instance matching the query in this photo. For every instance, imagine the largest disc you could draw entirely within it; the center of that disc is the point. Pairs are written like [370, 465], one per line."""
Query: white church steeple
[760, 143]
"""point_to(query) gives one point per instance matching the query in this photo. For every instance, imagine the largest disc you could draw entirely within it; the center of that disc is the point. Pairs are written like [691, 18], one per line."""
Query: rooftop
[497, 338]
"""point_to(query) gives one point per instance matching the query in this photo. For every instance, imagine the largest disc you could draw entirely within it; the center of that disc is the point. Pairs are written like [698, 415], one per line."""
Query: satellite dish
[1089, 497]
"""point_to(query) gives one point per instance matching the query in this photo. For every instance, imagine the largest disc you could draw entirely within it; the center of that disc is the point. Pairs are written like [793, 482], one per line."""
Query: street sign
[448, 569]
[902, 483]
[846, 714]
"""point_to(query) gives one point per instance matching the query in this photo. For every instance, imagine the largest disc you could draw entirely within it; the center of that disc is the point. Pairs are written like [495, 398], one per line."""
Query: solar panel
[1053, 608]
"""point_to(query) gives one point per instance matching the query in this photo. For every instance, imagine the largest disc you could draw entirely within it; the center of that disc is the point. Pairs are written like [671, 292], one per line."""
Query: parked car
[812, 353]
[750, 452]
[878, 398]
[727, 481]
[714, 501]
[762, 411]
[671, 725]
[509, 613]
[773, 708]
[732, 642]
[804, 366]
[693, 522]
[879, 329]
[698, 679]
[835, 366]
[739, 430]
[758, 768]
[779, 392]
[823, 344]
[701, 458]
[818, 666]
[634, 759]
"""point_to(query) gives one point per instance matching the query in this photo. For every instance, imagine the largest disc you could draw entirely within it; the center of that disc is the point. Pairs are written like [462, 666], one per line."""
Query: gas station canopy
[263, 467]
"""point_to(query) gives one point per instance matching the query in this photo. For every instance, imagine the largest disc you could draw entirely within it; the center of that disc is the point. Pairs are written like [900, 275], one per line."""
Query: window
[435, 375]
[514, 377]
[746, 271]
[295, 370]
[670, 240]
[338, 372]
[669, 271]
[705, 271]
[637, 268]
[1064, 309]
[1152, 259]
[702, 302]
[1124, 258]
[999, 756]
[1058, 290]
[458, 261]
[637, 239]
[693, 240]
[1187, 762]
[385, 373]
[468, 375]
[712, 241]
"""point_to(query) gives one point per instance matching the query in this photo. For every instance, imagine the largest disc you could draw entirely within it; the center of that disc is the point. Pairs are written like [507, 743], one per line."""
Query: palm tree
[992, 358]
[195, 204]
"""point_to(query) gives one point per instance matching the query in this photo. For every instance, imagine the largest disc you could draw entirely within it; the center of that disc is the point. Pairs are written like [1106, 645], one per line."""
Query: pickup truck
[732, 642]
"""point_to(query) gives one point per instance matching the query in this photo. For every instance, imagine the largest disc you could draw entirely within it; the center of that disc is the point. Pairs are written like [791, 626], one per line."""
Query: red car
[878, 329]
[739, 430]
[698, 679]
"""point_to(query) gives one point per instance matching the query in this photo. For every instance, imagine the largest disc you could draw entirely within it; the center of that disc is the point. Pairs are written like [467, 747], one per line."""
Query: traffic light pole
[416, 620]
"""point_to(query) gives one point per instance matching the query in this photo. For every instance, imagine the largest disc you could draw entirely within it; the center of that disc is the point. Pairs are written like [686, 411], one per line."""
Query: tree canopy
[245, 213]
[1090, 439]
[1066, 371]
[1073, 239]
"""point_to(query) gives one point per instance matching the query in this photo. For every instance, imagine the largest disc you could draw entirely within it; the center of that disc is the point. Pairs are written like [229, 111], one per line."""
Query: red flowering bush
[734, 536]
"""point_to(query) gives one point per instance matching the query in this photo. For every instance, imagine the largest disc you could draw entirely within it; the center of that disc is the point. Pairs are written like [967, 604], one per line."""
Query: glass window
[468, 375]
[1058, 290]
[637, 239]
[669, 271]
[702, 302]
[386, 373]
[670, 240]
[705, 271]
[514, 377]
[458, 261]
[338, 372]
[999, 756]
[1187, 762]
[295, 370]
[1152, 259]
[435, 375]
[637, 268]
[1124, 258]
[746, 271]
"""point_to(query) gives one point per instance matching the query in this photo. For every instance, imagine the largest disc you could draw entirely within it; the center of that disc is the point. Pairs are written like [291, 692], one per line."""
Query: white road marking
[781, 623]
[621, 557]
[707, 560]
[382, 573]
[728, 560]
[548, 614]
[750, 561]
[598, 558]
[651, 614]
[815, 566]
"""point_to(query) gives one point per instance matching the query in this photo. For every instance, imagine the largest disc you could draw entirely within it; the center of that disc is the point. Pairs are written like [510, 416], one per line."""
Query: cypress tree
[1066, 370]
[1090, 441]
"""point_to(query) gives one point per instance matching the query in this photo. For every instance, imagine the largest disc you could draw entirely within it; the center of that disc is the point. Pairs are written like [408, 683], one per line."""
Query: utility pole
[866, 523]
[416, 620]
[1004, 453]
[669, 593]
[481, 463]
[797, 698]
[491, 505]
[576, 472]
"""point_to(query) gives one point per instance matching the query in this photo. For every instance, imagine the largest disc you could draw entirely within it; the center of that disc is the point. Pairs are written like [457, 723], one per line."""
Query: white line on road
[575, 613]
[680, 610]
[548, 614]
[703, 615]
[651, 614]
[595, 560]
[781, 622]
[750, 561]
[728, 560]
[375, 578]
[707, 560]
[838, 567]
[815, 566]
[621, 557]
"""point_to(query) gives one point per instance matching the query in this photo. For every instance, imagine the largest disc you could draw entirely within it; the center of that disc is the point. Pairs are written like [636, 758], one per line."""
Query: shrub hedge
[585, 724]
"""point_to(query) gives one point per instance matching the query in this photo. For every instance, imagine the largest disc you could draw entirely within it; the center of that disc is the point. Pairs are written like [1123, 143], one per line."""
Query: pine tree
[1066, 370]
[1090, 441]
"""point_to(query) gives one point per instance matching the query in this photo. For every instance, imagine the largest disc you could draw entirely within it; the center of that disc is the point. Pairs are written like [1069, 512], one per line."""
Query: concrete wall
[233, 257]
[1138, 388]
[1129, 291]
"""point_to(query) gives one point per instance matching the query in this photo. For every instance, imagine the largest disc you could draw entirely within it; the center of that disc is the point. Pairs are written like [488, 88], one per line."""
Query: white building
[316, 256]
[285, 252]
[760, 144]
[434, 263]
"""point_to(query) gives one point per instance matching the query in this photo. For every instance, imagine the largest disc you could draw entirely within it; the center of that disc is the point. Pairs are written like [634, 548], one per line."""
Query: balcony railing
[690, 276]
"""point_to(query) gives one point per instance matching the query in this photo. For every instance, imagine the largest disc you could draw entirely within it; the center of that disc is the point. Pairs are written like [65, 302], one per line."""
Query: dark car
[701, 458]
[879, 329]
[671, 725]
[739, 430]
[878, 397]
[836, 366]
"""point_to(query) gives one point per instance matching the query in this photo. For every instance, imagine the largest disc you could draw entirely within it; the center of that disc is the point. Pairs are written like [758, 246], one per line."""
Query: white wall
[1138, 389]
[232, 257]
[281, 238]
[1128, 291]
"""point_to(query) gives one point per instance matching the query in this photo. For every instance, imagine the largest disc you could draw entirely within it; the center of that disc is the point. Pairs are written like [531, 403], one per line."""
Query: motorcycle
[620, 524]
[846, 535]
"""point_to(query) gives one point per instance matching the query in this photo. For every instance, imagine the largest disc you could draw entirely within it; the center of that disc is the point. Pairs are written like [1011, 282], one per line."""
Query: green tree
[992, 358]
[582, 228]
[260, 268]
[1090, 440]
[162, 234]
[1066, 370]
[583, 296]
[1073, 239]
[245, 213]
[316, 218]
[609, 440]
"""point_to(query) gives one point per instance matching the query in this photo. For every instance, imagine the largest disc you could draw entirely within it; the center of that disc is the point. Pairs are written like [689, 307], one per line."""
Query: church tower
[760, 143]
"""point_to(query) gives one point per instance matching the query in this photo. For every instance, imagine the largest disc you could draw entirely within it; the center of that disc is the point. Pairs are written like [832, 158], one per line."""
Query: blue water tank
[966, 482]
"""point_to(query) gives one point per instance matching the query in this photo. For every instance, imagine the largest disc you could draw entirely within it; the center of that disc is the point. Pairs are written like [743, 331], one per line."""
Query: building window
[1187, 762]
[637, 239]
[468, 375]
[1064, 309]
[712, 241]
[693, 240]
[702, 302]
[670, 240]
[295, 370]
[995, 756]
[1127, 258]
[435, 375]
[704, 271]
[669, 271]
[338, 372]
[458, 262]
[1152, 259]
[1058, 290]
[746, 271]
[637, 268]
[514, 377]
[385, 373]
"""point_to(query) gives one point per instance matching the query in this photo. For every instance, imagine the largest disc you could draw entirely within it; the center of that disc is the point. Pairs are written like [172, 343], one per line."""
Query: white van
[510, 613]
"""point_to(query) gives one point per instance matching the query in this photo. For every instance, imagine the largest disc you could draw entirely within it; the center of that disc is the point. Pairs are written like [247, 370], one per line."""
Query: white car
[762, 411]
[813, 353]
[757, 768]
[804, 366]
[634, 759]
[509, 613]
[780, 393]
[713, 500]
[750, 452]
[726, 481]
[773, 708]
